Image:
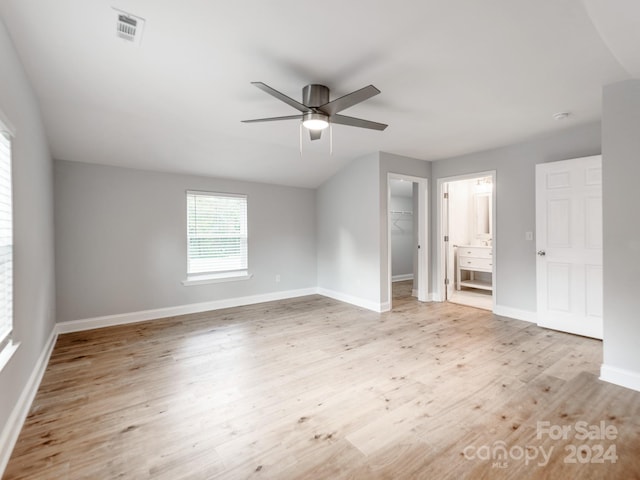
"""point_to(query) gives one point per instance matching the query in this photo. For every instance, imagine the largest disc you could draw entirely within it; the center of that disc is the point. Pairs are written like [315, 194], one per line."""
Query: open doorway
[404, 236]
[466, 250]
[407, 239]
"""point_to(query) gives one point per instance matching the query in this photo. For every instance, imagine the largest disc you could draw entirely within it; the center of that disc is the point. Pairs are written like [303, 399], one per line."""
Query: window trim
[8, 344]
[201, 278]
[7, 351]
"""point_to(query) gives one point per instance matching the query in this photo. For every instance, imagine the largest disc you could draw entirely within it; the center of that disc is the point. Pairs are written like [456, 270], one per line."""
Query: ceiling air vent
[128, 26]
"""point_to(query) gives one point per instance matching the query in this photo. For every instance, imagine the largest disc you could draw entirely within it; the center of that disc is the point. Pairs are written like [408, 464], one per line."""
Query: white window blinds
[216, 233]
[6, 241]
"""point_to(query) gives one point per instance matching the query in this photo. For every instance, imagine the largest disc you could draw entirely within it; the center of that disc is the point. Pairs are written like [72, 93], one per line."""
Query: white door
[569, 245]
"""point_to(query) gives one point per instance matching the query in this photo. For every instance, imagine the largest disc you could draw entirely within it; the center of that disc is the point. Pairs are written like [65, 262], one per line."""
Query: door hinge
[446, 238]
[446, 194]
[446, 281]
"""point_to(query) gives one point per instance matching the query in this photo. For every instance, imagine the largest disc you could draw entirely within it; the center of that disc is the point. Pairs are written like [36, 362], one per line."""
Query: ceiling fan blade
[282, 97]
[357, 122]
[273, 119]
[349, 100]
[315, 134]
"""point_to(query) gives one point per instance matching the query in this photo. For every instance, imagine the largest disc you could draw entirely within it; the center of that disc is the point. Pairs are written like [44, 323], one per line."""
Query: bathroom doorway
[466, 248]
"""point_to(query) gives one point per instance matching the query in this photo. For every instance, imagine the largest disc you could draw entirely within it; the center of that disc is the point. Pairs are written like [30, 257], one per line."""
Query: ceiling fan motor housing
[314, 95]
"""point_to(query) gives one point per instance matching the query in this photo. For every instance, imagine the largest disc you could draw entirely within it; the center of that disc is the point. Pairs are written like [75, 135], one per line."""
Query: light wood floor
[312, 388]
[473, 297]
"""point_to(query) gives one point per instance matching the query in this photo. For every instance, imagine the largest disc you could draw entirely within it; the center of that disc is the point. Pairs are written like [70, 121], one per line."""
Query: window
[6, 242]
[216, 235]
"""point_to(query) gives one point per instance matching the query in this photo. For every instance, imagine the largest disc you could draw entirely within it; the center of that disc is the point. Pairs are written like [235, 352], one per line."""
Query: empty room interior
[341, 240]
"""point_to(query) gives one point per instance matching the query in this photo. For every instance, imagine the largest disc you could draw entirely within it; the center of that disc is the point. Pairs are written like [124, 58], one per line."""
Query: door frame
[423, 236]
[439, 294]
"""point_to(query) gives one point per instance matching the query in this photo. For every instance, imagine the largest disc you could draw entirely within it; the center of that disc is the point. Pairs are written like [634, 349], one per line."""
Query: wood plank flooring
[312, 388]
[472, 297]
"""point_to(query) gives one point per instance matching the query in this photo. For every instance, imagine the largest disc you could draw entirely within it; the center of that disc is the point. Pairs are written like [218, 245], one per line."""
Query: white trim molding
[516, 313]
[144, 315]
[216, 278]
[11, 431]
[402, 278]
[358, 302]
[435, 297]
[620, 376]
[7, 352]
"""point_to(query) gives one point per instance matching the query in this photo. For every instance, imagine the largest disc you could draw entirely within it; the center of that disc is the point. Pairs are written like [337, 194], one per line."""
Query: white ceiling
[456, 76]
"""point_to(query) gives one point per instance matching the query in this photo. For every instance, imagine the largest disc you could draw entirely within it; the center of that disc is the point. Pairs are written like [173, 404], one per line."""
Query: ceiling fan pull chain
[300, 131]
[330, 140]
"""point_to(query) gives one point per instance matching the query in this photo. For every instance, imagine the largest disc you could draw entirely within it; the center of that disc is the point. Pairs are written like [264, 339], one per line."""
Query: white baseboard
[11, 431]
[358, 302]
[620, 376]
[141, 316]
[402, 278]
[516, 313]
[429, 298]
[435, 297]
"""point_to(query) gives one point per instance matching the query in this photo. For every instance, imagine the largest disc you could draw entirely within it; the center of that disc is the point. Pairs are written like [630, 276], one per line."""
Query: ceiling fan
[318, 112]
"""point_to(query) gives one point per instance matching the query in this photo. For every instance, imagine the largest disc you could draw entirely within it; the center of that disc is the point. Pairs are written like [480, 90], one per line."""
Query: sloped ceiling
[618, 23]
[456, 76]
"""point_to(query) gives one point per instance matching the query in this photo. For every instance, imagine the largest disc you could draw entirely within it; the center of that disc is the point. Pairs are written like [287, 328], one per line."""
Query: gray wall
[515, 203]
[349, 231]
[33, 227]
[352, 226]
[121, 240]
[621, 196]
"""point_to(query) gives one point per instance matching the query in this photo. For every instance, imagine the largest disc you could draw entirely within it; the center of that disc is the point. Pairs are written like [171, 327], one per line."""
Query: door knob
[542, 253]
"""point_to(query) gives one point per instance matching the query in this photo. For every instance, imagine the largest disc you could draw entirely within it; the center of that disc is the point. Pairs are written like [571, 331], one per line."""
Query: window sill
[216, 278]
[7, 352]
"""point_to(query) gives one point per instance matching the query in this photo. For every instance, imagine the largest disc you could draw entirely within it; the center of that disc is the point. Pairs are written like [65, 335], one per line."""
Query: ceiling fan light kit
[318, 111]
[315, 121]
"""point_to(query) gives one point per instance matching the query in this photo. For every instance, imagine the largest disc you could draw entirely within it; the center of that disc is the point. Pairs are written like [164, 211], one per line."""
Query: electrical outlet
[278, 278]
[528, 236]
